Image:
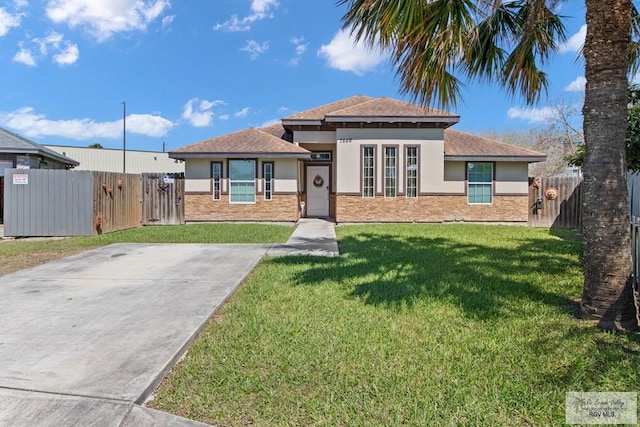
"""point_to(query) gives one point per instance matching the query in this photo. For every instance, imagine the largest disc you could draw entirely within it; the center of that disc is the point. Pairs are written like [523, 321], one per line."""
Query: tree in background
[558, 139]
[633, 134]
[432, 42]
[95, 145]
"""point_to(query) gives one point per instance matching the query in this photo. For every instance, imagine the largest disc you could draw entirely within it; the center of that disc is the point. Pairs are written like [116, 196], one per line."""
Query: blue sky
[192, 70]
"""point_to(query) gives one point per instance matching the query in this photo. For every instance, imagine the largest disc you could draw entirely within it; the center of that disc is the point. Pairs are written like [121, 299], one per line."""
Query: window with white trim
[390, 169]
[368, 171]
[267, 174]
[216, 178]
[479, 183]
[411, 173]
[242, 181]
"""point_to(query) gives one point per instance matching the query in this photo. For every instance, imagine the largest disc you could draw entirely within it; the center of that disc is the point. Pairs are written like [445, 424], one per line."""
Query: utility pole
[124, 136]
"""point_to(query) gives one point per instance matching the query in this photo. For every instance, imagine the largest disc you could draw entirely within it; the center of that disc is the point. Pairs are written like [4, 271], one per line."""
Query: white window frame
[471, 183]
[390, 191]
[268, 184]
[415, 171]
[368, 172]
[216, 182]
[247, 182]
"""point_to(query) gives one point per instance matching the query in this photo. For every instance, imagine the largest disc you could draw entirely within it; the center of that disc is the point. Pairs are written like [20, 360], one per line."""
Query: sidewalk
[312, 237]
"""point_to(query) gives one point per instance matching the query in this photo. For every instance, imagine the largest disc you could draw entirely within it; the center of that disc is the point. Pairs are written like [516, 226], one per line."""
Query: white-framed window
[242, 181]
[390, 170]
[267, 174]
[368, 171]
[216, 178]
[479, 183]
[411, 172]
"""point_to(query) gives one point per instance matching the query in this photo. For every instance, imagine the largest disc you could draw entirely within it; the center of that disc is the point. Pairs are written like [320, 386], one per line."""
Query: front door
[317, 191]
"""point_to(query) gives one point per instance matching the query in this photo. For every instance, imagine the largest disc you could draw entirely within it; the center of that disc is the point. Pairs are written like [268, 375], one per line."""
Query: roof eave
[39, 152]
[293, 122]
[489, 158]
[394, 119]
[227, 155]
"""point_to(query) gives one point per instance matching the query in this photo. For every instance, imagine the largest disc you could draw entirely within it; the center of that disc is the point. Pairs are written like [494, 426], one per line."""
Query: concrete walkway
[86, 339]
[312, 236]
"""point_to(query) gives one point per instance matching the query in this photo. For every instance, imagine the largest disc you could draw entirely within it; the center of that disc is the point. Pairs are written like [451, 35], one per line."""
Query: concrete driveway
[85, 340]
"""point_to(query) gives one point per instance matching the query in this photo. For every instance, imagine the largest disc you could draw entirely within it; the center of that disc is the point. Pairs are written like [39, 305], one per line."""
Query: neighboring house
[21, 153]
[112, 160]
[360, 159]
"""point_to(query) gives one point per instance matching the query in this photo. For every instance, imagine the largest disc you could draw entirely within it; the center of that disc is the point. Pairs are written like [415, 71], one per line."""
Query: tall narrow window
[242, 181]
[412, 172]
[479, 183]
[267, 174]
[368, 171]
[216, 177]
[390, 171]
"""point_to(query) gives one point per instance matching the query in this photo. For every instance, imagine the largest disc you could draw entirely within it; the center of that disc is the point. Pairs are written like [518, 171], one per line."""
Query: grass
[22, 253]
[414, 325]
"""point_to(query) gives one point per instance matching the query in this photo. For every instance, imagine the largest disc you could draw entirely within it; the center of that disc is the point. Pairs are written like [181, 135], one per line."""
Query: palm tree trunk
[608, 292]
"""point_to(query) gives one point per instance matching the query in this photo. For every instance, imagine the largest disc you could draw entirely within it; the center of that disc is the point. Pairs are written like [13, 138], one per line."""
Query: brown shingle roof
[464, 146]
[318, 113]
[387, 107]
[245, 142]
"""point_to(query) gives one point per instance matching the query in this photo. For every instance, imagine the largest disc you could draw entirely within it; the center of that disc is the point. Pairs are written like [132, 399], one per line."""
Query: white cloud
[263, 6]
[300, 47]
[577, 85]
[34, 125]
[104, 18]
[19, 4]
[7, 21]
[168, 20]
[198, 111]
[270, 123]
[532, 115]
[242, 113]
[575, 42]
[63, 51]
[24, 56]
[255, 49]
[345, 54]
[67, 56]
[223, 117]
[261, 9]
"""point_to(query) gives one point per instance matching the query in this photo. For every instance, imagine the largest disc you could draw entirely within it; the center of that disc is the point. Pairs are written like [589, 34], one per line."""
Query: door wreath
[318, 181]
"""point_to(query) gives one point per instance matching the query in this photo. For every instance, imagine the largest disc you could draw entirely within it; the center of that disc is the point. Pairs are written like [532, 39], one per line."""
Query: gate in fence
[162, 198]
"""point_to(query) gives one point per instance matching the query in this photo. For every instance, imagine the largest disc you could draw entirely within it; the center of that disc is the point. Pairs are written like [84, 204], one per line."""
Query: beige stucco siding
[348, 156]
[512, 178]
[285, 176]
[454, 177]
[314, 137]
[199, 168]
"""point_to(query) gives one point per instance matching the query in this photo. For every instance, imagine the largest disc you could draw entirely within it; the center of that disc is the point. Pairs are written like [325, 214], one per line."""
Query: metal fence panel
[47, 202]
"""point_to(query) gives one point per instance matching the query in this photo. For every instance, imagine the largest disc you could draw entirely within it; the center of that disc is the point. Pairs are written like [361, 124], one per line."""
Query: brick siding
[201, 207]
[430, 209]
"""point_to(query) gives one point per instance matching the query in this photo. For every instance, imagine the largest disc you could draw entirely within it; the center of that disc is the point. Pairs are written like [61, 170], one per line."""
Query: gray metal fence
[47, 202]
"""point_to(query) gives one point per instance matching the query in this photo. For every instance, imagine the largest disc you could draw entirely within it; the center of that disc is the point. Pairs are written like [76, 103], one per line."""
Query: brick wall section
[201, 207]
[430, 209]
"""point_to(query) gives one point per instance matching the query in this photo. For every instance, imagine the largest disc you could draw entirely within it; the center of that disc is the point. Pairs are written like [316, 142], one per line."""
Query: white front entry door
[317, 191]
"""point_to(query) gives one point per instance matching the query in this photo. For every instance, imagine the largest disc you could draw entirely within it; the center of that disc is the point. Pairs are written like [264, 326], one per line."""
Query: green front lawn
[413, 324]
[22, 253]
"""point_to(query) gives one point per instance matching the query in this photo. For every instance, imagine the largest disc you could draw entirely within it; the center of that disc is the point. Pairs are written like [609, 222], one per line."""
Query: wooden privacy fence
[555, 202]
[41, 202]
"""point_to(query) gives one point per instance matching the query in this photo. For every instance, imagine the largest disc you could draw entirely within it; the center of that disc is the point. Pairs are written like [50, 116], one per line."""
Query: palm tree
[432, 42]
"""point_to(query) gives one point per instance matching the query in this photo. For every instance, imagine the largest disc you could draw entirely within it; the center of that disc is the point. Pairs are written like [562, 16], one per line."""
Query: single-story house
[21, 153]
[360, 159]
